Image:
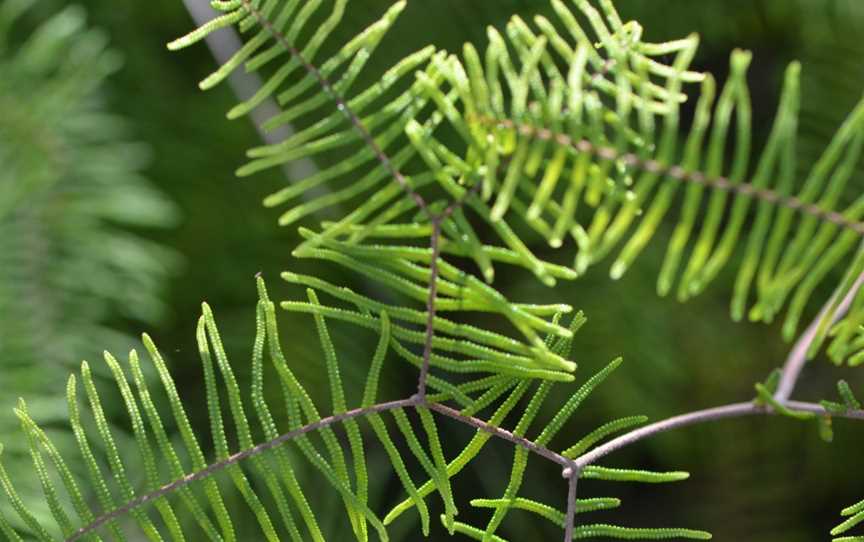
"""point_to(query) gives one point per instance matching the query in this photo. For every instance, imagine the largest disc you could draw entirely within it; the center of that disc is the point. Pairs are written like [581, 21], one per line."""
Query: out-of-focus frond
[71, 192]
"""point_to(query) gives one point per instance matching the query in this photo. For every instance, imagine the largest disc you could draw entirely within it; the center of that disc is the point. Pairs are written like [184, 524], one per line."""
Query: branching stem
[341, 105]
[798, 355]
[574, 466]
[571, 468]
[236, 458]
[735, 410]
[677, 172]
[523, 442]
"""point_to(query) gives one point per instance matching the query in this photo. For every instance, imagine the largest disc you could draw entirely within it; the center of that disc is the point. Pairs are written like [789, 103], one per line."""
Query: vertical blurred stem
[223, 44]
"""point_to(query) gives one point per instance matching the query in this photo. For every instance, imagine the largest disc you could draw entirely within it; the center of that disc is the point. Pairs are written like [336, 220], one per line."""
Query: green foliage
[539, 122]
[850, 401]
[848, 343]
[497, 131]
[71, 192]
[564, 131]
[602, 531]
[855, 516]
[174, 467]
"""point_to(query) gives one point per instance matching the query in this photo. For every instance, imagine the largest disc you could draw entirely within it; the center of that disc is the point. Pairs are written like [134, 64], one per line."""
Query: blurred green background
[752, 479]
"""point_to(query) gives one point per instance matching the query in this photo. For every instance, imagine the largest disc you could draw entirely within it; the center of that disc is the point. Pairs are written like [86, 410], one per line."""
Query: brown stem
[430, 309]
[341, 104]
[477, 423]
[236, 458]
[679, 173]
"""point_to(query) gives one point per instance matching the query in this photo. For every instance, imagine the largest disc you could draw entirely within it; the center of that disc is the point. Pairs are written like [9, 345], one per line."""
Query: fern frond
[559, 139]
[542, 105]
[589, 531]
[396, 120]
[236, 454]
[468, 153]
[115, 492]
[604, 531]
[306, 85]
[855, 517]
[71, 189]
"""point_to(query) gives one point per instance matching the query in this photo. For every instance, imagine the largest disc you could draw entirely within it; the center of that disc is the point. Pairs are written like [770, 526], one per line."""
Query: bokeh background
[752, 479]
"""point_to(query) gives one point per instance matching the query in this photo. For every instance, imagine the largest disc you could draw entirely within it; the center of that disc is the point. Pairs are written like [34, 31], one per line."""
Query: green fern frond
[394, 121]
[541, 105]
[296, 70]
[116, 495]
[172, 468]
[855, 517]
[588, 531]
[71, 191]
[545, 106]
[447, 162]
[604, 531]
[560, 140]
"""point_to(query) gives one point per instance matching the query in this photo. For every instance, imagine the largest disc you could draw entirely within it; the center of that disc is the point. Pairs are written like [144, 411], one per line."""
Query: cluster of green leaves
[828, 88]
[400, 116]
[849, 402]
[543, 120]
[71, 191]
[854, 515]
[389, 130]
[284, 511]
[385, 110]
[546, 118]
[629, 171]
[566, 130]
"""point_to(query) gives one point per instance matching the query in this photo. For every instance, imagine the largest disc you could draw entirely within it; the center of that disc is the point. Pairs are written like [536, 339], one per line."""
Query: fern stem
[435, 243]
[572, 468]
[430, 307]
[341, 104]
[735, 410]
[677, 172]
[799, 354]
[570, 519]
[236, 458]
[523, 442]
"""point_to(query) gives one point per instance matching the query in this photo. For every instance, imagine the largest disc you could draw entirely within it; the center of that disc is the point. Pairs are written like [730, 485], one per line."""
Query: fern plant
[566, 130]
[71, 193]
